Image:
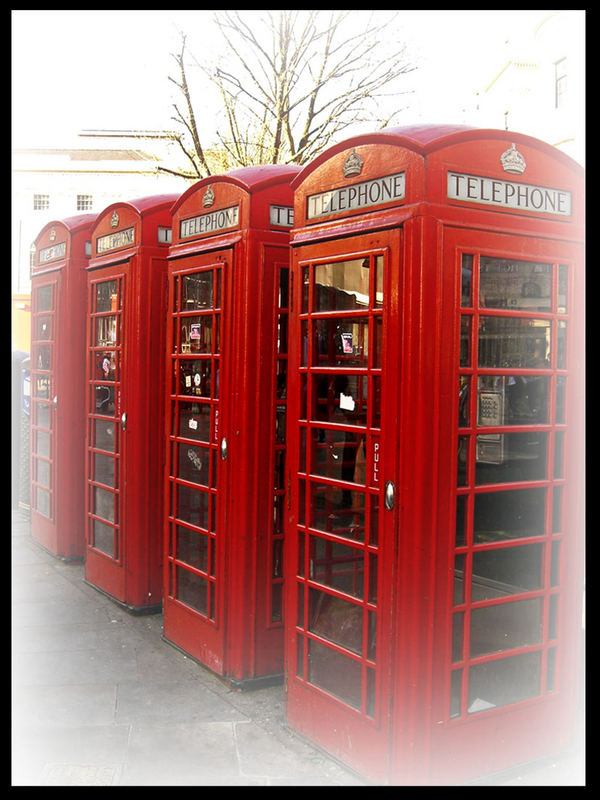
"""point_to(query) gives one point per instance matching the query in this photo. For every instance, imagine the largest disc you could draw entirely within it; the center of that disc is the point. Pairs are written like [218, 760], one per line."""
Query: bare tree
[291, 82]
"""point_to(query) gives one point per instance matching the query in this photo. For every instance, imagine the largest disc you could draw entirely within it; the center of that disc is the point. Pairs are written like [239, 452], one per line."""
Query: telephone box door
[198, 453]
[43, 405]
[344, 382]
[107, 421]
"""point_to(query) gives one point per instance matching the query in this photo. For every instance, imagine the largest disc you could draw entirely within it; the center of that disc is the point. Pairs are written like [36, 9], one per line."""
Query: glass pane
[43, 473]
[195, 377]
[104, 435]
[338, 454]
[104, 400]
[339, 511]
[512, 400]
[340, 398]
[504, 681]
[43, 356]
[465, 341]
[337, 566]
[104, 538]
[506, 626]
[194, 421]
[463, 401]
[104, 504]
[514, 342]
[193, 463]
[335, 619]
[334, 673]
[42, 415]
[192, 506]
[341, 342]
[562, 288]
[106, 296]
[42, 444]
[42, 501]
[342, 285]
[378, 282]
[43, 328]
[196, 334]
[466, 285]
[502, 516]
[510, 457]
[106, 330]
[44, 298]
[104, 469]
[507, 283]
[192, 589]
[192, 547]
[506, 571]
[106, 365]
[197, 291]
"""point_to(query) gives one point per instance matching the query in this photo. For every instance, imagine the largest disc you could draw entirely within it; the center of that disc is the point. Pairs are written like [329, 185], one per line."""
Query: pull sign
[224, 449]
[390, 495]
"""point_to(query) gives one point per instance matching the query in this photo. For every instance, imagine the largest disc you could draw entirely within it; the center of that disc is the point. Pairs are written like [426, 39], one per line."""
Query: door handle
[224, 449]
[123, 421]
[55, 401]
[390, 495]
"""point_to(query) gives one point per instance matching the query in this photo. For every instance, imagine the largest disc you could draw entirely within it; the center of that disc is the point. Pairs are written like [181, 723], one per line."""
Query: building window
[41, 202]
[84, 202]
[560, 82]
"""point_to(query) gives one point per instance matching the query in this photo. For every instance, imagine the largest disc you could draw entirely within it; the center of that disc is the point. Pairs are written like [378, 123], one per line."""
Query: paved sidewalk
[99, 699]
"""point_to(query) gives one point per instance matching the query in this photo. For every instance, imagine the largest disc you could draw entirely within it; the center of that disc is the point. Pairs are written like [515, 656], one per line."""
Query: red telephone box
[58, 287]
[435, 404]
[225, 422]
[125, 400]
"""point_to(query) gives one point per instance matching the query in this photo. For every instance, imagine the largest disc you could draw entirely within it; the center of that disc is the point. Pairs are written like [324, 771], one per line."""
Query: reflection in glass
[466, 283]
[43, 298]
[504, 681]
[335, 565]
[104, 469]
[192, 547]
[341, 342]
[104, 538]
[338, 511]
[106, 330]
[512, 284]
[503, 516]
[195, 377]
[513, 457]
[196, 334]
[192, 506]
[192, 589]
[465, 340]
[338, 454]
[104, 435]
[506, 626]
[505, 571]
[342, 285]
[340, 398]
[514, 342]
[334, 673]
[197, 291]
[104, 504]
[335, 619]
[194, 421]
[193, 463]
[512, 400]
[106, 296]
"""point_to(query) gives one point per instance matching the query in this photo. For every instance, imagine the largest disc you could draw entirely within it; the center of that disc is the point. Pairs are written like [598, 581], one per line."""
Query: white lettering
[508, 194]
[360, 195]
[53, 252]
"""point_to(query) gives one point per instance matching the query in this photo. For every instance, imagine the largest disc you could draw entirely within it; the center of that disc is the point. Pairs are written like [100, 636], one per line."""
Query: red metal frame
[423, 724]
[125, 400]
[226, 379]
[58, 286]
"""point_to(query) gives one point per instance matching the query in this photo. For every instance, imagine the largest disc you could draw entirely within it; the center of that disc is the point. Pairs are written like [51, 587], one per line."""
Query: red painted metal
[58, 289]
[476, 571]
[125, 400]
[225, 422]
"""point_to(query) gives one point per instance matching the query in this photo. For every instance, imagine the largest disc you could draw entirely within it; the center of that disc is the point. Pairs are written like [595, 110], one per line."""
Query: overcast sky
[75, 70]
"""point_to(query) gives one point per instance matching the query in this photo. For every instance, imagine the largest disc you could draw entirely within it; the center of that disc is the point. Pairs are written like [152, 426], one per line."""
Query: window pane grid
[504, 540]
[341, 343]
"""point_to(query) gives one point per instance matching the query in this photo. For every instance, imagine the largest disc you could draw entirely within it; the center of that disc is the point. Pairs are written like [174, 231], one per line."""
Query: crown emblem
[513, 161]
[208, 198]
[352, 165]
[114, 220]
[52, 235]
